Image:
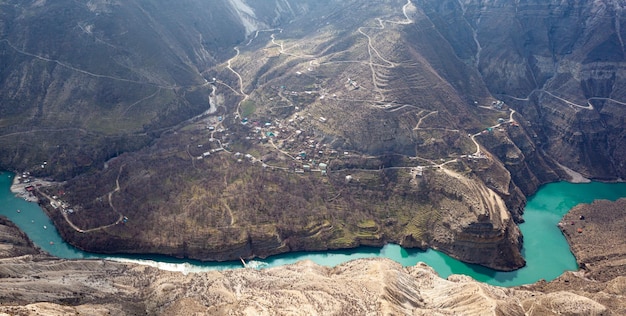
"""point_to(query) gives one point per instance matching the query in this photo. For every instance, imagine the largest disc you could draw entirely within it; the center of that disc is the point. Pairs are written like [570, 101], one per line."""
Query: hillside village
[291, 144]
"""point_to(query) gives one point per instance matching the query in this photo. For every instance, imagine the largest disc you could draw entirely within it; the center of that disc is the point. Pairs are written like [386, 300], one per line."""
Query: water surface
[545, 248]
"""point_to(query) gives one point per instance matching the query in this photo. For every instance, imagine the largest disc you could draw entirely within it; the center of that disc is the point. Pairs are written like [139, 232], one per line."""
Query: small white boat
[45, 227]
[19, 211]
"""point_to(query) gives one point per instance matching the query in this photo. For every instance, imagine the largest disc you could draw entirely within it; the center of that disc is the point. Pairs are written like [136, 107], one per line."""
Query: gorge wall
[559, 63]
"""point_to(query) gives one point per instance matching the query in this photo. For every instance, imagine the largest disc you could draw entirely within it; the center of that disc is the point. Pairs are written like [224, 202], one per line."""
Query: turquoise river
[545, 249]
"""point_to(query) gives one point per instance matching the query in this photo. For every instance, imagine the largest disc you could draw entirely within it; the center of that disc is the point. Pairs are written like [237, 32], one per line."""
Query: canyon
[240, 130]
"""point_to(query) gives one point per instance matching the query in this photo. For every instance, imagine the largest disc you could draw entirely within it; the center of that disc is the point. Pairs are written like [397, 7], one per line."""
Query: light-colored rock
[360, 287]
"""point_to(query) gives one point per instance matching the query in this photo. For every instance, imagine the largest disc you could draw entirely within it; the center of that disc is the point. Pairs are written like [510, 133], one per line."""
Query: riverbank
[38, 283]
[13, 241]
[20, 188]
[595, 233]
[546, 250]
[41, 284]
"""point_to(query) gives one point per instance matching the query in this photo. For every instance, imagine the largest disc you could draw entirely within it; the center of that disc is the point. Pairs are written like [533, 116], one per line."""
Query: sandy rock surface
[361, 287]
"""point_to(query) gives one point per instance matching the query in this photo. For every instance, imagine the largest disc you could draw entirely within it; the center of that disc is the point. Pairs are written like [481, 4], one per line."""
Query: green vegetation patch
[248, 108]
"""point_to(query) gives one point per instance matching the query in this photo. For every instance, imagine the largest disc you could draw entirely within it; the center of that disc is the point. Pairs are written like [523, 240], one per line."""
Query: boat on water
[45, 227]
[19, 211]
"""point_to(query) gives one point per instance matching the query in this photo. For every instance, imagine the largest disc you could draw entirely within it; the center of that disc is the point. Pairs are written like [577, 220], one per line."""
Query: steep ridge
[266, 14]
[560, 64]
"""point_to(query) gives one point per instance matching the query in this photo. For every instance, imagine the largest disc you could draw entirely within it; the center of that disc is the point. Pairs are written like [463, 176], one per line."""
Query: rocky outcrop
[476, 226]
[520, 153]
[481, 243]
[14, 242]
[597, 233]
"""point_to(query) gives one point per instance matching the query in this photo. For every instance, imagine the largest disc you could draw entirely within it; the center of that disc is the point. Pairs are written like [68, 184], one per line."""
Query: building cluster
[24, 178]
[498, 105]
[57, 204]
[291, 137]
[306, 151]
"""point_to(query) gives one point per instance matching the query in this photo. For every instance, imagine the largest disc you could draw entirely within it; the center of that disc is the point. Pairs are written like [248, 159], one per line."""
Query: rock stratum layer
[38, 284]
[243, 129]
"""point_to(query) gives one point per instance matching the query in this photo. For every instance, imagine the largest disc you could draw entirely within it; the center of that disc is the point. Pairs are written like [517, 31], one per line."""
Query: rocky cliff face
[267, 14]
[561, 64]
[13, 242]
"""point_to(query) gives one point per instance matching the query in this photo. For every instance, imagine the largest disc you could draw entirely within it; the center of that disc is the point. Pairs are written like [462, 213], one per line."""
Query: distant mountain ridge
[105, 70]
[86, 78]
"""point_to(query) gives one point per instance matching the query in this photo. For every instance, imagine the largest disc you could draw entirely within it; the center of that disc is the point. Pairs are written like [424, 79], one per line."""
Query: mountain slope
[78, 80]
[560, 64]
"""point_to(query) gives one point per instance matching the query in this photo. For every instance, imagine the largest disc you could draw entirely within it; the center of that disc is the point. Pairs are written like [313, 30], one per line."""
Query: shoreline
[19, 188]
[575, 177]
